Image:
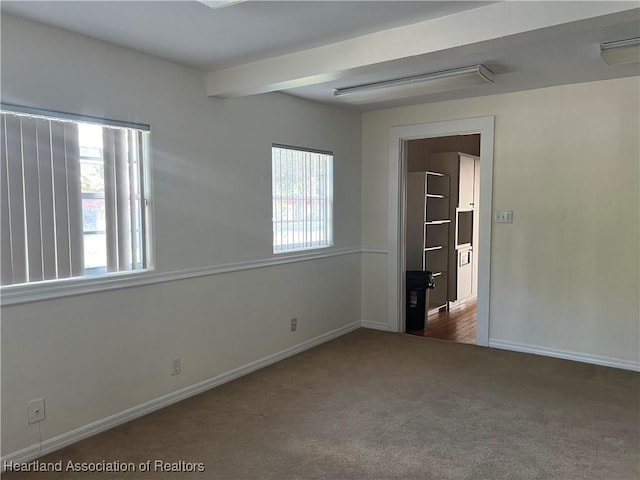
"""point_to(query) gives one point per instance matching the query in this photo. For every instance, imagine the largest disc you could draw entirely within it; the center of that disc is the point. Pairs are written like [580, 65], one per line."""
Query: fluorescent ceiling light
[219, 3]
[416, 85]
[621, 52]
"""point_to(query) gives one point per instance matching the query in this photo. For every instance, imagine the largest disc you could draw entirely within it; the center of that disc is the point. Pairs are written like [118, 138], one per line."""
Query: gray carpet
[378, 405]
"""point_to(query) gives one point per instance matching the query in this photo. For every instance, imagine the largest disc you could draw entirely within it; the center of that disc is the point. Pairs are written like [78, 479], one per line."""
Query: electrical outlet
[175, 366]
[36, 410]
[294, 324]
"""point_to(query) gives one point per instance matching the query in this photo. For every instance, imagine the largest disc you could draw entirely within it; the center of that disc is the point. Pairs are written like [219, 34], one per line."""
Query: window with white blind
[73, 196]
[302, 192]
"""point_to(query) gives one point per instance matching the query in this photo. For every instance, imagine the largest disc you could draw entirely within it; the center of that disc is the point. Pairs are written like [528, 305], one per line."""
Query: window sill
[301, 249]
[37, 291]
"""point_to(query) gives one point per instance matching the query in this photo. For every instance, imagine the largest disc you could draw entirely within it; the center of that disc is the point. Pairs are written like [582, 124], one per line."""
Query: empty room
[320, 239]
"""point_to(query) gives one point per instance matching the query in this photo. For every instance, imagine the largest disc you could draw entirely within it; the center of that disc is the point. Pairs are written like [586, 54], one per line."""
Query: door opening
[465, 268]
[442, 206]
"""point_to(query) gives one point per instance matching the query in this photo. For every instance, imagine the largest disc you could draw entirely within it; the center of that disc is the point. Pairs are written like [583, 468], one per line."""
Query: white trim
[395, 229]
[15, 294]
[66, 439]
[382, 251]
[565, 354]
[375, 325]
[462, 303]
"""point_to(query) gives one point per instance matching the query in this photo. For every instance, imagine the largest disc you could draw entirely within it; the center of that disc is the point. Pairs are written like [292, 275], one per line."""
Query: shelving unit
[436, 235]
[428, 226]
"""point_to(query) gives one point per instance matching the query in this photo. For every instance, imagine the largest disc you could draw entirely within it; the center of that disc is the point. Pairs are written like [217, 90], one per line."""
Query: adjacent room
[442, 228]
[350, 239]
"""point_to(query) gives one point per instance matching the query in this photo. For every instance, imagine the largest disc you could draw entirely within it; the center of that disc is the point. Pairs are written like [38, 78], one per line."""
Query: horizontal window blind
[302, 191]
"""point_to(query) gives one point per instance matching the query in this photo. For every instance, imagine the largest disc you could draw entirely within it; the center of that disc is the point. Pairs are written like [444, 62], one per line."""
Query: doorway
[398, 173]
[442, 199]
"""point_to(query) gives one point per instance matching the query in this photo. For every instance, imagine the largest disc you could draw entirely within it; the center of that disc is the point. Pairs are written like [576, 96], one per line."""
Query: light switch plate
[503, 216]
[176, 366]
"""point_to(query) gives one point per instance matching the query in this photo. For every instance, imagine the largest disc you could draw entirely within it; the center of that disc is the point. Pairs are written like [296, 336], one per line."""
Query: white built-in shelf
[428, 234]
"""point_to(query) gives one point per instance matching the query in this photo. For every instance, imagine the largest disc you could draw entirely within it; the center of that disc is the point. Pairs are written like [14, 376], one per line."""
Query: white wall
[95, 355]
[565, 274]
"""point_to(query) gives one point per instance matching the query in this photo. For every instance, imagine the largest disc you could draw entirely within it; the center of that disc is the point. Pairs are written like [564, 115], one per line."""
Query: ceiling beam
[469, 29]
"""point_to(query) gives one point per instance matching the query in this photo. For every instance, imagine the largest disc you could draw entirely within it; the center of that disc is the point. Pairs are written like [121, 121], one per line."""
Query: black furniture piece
[418, 284]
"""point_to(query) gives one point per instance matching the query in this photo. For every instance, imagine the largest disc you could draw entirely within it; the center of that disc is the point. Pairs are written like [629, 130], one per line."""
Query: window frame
[94, 279]
[328, 198]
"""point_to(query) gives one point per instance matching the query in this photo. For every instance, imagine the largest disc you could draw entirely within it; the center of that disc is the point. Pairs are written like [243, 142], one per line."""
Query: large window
[302, 190]
[73, 197]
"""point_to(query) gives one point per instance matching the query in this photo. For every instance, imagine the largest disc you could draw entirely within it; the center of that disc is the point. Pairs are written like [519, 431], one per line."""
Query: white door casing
[396, 221]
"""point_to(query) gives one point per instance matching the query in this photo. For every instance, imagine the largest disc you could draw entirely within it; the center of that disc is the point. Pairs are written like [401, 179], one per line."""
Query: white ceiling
[226, 41]
[195, 35]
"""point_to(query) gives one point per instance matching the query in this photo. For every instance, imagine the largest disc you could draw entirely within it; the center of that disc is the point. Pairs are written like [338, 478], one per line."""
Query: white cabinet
[466, 182]
[476, 225]
[465, 273]
[466, 226]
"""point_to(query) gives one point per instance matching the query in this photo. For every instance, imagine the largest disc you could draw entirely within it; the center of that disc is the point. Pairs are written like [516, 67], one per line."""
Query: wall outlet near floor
[175, 366]
[36, 410]
[294, 324]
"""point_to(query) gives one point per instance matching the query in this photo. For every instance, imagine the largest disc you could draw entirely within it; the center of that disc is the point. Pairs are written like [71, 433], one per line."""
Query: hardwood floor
[458, 325]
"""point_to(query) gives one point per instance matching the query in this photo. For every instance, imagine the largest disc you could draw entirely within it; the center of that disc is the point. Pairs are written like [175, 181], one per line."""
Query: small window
[302, 190]
[73, 197]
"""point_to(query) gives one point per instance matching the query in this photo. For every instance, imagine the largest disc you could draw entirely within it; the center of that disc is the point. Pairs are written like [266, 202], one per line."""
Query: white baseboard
[375, 325]
[461, 303]
[567, 355]
[56, 443]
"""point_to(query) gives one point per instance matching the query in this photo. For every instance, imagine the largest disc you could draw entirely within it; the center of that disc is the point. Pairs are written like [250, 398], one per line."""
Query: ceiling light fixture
[621, 52]
[219, 3]
[417, 85]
